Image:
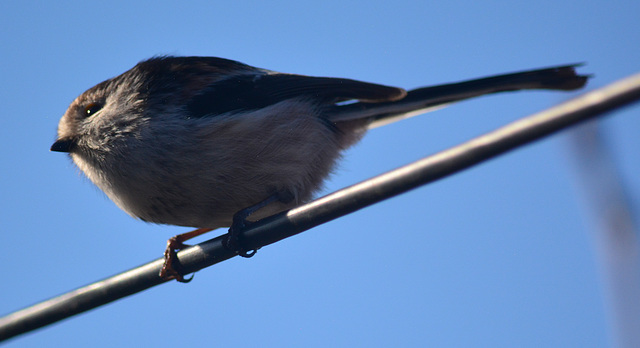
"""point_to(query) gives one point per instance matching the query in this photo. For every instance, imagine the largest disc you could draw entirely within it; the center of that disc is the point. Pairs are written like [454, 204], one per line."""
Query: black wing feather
[250, 92]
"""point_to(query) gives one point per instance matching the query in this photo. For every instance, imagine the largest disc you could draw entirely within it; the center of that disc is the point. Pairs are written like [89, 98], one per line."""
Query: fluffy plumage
[192, 140]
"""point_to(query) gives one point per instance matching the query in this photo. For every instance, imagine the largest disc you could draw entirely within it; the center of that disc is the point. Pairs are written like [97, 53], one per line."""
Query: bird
[208, 142]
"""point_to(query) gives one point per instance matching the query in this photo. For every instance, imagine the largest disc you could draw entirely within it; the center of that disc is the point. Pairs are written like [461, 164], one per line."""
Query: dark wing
[254, 91]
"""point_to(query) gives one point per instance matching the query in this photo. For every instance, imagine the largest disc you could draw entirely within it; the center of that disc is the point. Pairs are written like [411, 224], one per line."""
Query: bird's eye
[91, 109]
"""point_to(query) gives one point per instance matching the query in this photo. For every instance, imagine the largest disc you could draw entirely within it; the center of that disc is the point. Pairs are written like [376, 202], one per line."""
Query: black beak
[64, 145]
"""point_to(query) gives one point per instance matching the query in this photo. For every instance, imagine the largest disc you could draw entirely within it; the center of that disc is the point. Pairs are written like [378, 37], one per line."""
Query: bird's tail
[425, 99]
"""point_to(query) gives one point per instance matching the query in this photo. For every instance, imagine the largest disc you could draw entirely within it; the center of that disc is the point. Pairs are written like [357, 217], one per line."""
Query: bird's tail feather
[425, 99]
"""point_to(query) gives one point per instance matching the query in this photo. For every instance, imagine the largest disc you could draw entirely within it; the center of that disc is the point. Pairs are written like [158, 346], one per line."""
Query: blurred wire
[332, 206]
[616, 232]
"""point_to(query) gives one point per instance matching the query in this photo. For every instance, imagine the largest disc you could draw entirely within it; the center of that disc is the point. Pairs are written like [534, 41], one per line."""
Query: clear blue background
[501, 255]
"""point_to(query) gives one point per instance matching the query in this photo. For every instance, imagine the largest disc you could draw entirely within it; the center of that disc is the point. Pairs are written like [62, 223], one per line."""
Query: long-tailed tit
[193, 141]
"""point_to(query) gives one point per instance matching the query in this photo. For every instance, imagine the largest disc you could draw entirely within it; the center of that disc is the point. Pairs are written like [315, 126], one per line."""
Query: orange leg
[175, 244]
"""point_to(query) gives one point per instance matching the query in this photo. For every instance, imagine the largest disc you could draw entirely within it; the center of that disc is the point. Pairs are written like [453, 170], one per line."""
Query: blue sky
[501, 255]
